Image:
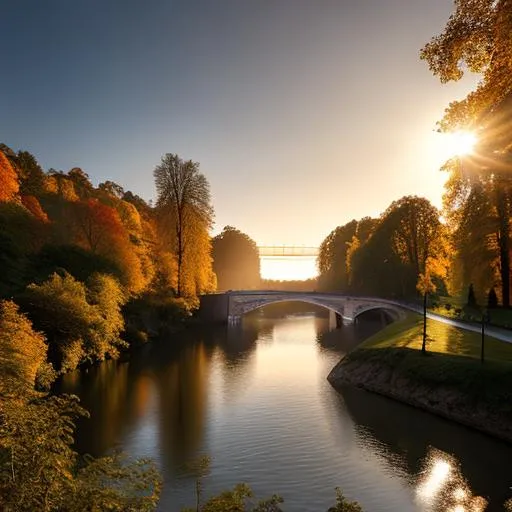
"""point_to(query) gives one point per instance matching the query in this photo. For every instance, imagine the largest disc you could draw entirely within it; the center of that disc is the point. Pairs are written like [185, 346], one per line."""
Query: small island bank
[449, 380]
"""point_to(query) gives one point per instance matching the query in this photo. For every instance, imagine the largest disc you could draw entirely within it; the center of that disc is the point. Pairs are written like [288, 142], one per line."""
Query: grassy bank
[449, 380]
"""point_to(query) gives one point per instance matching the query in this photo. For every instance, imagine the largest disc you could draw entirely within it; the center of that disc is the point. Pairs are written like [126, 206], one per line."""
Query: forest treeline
[386, 256]
[456, 250]
[96, 267]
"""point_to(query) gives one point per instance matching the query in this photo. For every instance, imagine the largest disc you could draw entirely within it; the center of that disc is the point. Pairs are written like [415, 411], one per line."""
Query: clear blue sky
[302, 114]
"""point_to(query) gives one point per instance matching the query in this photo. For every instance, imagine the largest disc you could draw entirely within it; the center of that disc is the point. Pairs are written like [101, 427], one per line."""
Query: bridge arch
[253, 306]
[391, 312]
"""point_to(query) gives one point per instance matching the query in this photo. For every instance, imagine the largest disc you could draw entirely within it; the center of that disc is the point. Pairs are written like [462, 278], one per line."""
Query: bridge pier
[347, 320]
[234, 319]
[336, 320]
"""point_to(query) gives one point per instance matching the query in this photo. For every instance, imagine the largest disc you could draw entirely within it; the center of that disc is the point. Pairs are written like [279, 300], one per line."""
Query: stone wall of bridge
[231, 306]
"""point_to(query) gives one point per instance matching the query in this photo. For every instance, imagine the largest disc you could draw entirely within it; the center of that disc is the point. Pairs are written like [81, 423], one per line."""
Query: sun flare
[460, 143]
[463, 143]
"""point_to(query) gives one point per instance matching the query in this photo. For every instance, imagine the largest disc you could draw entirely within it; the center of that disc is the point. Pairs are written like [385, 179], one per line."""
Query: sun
[463, 143]
[450, 145]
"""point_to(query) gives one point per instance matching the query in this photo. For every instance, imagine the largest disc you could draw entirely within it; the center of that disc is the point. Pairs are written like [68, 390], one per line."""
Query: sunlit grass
[452, 360]
[442, 338]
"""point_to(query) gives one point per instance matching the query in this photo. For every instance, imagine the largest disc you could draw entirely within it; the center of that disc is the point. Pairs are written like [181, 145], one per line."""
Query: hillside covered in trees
[97, 267]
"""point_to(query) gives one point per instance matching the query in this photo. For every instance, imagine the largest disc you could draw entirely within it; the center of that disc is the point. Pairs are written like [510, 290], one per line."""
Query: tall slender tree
[184, 197]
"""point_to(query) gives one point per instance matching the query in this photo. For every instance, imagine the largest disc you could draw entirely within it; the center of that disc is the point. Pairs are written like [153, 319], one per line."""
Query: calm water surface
[256, 400]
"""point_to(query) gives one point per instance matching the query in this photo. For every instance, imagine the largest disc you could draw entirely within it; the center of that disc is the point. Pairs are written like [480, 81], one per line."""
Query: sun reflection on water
[442, 486]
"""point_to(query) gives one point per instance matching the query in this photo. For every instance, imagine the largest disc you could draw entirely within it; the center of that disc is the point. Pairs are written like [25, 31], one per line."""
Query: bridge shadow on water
[347, 337]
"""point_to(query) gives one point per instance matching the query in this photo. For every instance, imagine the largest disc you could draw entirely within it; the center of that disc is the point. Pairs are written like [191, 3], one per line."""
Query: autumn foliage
[33, 205]
[9, 184]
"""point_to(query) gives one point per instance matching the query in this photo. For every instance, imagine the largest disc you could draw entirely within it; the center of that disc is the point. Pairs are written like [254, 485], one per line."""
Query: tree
[471, 220]
[75, 260]
[477, 36]
[408, 236]
[236, 260]
[30, 173]
[21, 236]
[332, 257]
[184, 198]
[112, 188]
[9, 184]
[99, 229]
[471, 297]
[82, 324]
[32, 204]
[81, 181]
[492, 299]
[39, 470]
[22, 351]
[336, 251]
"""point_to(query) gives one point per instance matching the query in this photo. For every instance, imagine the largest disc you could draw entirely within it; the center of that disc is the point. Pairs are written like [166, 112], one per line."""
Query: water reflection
[442, 487]
[255, 398]
[427, 445]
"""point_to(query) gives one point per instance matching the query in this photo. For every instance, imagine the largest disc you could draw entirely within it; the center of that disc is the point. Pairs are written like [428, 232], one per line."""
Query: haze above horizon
[302, 115]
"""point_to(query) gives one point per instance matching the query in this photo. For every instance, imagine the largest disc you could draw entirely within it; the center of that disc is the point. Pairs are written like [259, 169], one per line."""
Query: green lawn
[441, 338]
[452, 359]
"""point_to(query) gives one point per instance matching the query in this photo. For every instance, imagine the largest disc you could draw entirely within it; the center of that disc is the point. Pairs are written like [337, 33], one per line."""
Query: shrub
[22, 352]
[82, 324]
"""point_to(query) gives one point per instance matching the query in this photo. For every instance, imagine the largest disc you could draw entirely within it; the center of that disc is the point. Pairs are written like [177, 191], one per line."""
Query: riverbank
[449, 380]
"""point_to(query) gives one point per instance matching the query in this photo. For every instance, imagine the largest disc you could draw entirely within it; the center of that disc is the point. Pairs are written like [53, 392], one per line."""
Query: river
[255, 399]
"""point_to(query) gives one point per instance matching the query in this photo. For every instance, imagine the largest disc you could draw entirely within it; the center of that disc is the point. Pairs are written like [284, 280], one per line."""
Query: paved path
[499, 333]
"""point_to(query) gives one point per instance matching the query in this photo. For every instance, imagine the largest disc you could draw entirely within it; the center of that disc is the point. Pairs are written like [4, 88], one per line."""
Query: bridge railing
[287, 251]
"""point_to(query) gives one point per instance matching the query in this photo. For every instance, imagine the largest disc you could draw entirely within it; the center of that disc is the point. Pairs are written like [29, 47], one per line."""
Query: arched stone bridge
[231, 306]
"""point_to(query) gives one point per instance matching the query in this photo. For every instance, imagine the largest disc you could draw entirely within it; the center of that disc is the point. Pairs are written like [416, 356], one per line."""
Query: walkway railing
[287, 251]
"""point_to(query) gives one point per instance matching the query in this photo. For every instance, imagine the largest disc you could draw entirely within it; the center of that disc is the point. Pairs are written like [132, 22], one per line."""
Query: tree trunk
[424, 343]
[179, 236]
[502, 208]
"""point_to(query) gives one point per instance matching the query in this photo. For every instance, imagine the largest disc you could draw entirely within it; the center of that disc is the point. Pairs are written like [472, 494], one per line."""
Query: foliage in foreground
[237, 500]
[39, 470]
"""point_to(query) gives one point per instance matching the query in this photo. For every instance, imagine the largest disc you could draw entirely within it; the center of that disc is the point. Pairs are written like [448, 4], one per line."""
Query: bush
[82, 323]
[22, 352]
[154, 315]
[39, 470]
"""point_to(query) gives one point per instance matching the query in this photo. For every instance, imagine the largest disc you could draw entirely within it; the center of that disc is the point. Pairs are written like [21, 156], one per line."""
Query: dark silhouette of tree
[236, 260]
[184, 198]
[30, 173]
[471, 297]
[335, 256]
[408, 241]
[141, 205]
[492, 299]
[81, 182]
[112, 188]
